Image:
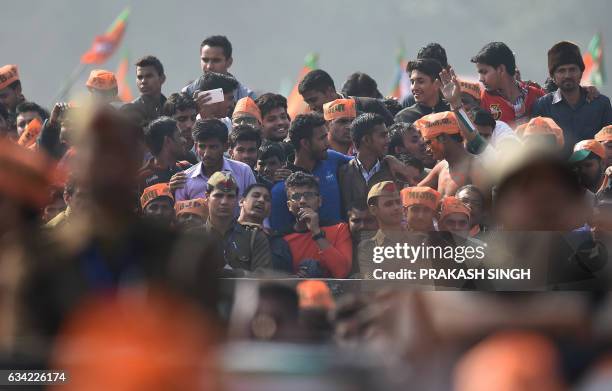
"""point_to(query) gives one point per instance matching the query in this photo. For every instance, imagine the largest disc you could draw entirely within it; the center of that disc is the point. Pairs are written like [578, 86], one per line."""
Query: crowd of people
[215, 180]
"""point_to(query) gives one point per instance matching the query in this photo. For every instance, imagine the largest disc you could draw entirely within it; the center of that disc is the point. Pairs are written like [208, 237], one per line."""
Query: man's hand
[451, 88]
[281, 174]
[177, 181]
[202, 99]
[311, 218]
[56, 114]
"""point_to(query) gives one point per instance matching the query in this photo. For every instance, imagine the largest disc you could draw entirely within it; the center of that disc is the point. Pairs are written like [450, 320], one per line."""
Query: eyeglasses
[308, 195]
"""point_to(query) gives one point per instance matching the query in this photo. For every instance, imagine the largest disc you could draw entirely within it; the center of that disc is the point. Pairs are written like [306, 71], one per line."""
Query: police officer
[245, 246]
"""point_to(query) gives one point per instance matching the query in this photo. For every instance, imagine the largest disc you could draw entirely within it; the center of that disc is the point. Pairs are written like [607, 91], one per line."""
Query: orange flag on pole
[295, 103]
[105, 45]
[125, 93]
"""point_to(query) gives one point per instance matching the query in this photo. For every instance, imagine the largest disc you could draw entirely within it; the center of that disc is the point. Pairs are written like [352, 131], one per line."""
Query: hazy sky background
[271, 38]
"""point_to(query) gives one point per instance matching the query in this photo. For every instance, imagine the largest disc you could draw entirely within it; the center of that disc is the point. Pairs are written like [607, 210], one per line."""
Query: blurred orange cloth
[137, 342]
[433, 125]
[510, 361]
[315, 294]
[420, 195]
[544, 125]
[25, 175]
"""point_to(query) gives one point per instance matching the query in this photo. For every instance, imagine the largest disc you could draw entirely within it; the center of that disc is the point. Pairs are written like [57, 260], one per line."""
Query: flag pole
[67, 86]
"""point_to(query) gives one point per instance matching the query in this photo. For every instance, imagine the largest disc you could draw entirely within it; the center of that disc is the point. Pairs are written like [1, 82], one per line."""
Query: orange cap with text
[247, 105]
[470, 88]
[153, 192]
[544, 125]
[433, 125]
[420, 195]
[30, 133]
[605, 134]
[197, 206]
[101, 79]
[8, 75]
[339, 108]
[450, 205]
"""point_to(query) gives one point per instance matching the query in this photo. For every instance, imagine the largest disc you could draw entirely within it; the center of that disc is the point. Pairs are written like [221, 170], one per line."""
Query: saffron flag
[105, 45]
[401, 84]
[125, 93]
[295, 103]
[594, 70]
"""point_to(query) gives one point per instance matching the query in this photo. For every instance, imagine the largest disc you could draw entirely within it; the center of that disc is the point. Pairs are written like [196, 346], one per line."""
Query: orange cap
[153, 192]
[433, 125]
[30, 133]
[470, 88]
[544, 125]
[589, 146]
[197, 206]
[25, 175]
[8, 75]
[339, 108]
[420, 195]
[605, 134]
[314, 294]
[450, 205]
[101, 79]
[247, 105]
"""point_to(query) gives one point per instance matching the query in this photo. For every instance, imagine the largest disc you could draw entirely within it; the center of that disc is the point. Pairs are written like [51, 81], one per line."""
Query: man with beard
[569, 106]
[588, 158]
[339, 114]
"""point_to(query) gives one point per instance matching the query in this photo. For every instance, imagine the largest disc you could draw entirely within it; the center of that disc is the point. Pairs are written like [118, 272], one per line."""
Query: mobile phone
[216, 95]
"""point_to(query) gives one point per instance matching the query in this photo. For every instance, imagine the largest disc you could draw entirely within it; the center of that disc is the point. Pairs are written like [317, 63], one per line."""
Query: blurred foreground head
[510, 361]
[110, 151]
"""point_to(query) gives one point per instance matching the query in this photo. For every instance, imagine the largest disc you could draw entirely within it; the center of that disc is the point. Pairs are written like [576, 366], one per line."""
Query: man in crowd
[506, 98]
[244, 143]
[317, 88]
[385, 204]
[246, 112]
[191, 213]
[216, 56]
[75, 199]
[210, 137]
[275, 119]
[361, 84]
[219, 110]
[245, 246]
[270, 161]
[475, 201]
[102, 86]
[164, 140]
[339, 114]
[420, 205]
[456, 166]
[26, 112]
[406, 139]
[150, 77]
[10, 89]
[433, 51]
[371, 139]
[568, 106]
[308, 134]
[157, 204]
[362, 225]
[454, 217]
[182, 108]
[425, 85]
[255, 205]
[604, 136]
[588, 159]
[316, 251]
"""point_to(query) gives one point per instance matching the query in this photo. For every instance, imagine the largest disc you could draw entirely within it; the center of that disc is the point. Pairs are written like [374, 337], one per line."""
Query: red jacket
[502, 110]
[337, 258]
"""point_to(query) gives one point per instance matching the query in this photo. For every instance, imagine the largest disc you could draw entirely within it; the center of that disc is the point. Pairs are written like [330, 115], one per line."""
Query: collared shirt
[418, 110]
[195, 187]
[512, 113]
[578, 123]
[367, 175]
